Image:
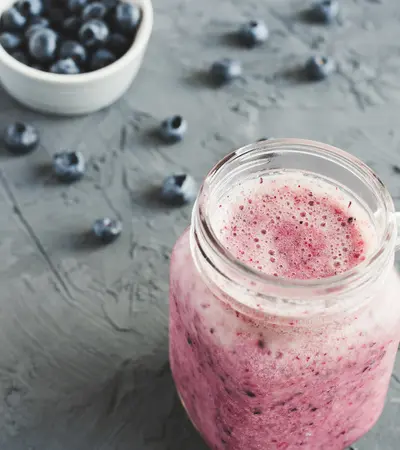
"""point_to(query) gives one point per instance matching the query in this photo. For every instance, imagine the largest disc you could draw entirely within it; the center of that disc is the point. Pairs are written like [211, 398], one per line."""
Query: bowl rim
[134, 52]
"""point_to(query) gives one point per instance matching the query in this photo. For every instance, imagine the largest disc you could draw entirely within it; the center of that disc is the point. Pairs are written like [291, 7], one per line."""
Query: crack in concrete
[34, 237]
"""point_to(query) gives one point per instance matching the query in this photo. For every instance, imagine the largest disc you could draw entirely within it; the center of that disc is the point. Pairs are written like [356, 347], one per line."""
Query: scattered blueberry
[118, 44]
[13, 20]
[319, 67]
[65, 66]
[43, 44]
[127, 17]
[102, 58]
[396, 169]
[21, 138]
[264, 139]
[71, 26]
[107, 230]
[96, 10]
[254, 33]
[225, 71]
[76, 6]
[69, 166]
[93, 33]
[179, 189]
[10, 41]
[20, 56]
[73, 50]
[173, 129]
[325, 11]
[30, 7]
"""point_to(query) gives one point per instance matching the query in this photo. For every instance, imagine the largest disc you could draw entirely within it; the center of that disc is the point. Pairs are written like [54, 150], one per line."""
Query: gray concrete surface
[83, 330]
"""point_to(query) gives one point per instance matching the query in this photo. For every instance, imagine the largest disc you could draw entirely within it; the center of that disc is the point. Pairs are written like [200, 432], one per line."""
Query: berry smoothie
[249, 383]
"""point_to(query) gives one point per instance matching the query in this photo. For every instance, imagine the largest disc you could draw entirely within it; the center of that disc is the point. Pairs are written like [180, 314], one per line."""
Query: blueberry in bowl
[73, 50]
[35, 24]
[127, 17]
[95, 10]
[21, 57]
[13, 20]
[75, 58]
[43, 44]
[30, 8]
[76, 6]
[10, 41]
[66, 66]
[71, 26]
[102, 58]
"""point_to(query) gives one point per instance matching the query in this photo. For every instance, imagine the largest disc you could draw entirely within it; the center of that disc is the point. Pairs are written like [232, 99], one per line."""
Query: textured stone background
[83, 330]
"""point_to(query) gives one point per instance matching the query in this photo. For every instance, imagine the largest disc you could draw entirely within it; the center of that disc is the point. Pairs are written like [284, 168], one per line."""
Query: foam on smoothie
[294, 225]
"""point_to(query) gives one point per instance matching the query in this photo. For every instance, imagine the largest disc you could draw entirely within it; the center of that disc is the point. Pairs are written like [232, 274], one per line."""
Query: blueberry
[76, 6]
[118, 44]
[319, 67]
[21, 138]
[254, 33]
[71, 26]
[56, 17]
[110, 4]
[43, 44]
[93, 33]
[102, 58]
[325, 11]
[127, 17]
[264, 139]
[20, 56]
[173, 129]
[13, 20]
[225, 71]
[39, 67]
[66, 66]
[179, 189]
[96, 10]
[107, 230]
[74, 50]
[69, 166]
[10, 41]
[30, 7]
[39, 22]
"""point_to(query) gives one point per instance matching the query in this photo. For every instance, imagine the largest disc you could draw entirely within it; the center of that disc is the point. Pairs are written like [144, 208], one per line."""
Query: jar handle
[397, 217]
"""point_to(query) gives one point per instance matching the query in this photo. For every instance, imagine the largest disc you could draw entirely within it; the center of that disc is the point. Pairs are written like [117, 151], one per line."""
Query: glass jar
[263, 362]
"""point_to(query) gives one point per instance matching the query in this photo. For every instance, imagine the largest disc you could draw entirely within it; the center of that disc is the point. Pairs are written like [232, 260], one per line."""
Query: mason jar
[264, 362]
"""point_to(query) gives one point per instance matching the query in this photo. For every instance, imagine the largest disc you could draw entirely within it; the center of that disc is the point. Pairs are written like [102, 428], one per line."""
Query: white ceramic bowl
[75, 94]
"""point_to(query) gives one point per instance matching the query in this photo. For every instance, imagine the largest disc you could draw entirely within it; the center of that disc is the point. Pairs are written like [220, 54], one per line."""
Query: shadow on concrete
[136, 409]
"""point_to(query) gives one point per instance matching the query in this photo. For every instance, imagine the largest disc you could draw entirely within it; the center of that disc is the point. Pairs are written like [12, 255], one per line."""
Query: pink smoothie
[252, 384]
[294, 228]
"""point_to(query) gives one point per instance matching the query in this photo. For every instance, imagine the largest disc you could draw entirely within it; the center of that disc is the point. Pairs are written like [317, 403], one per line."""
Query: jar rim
[329, 284]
